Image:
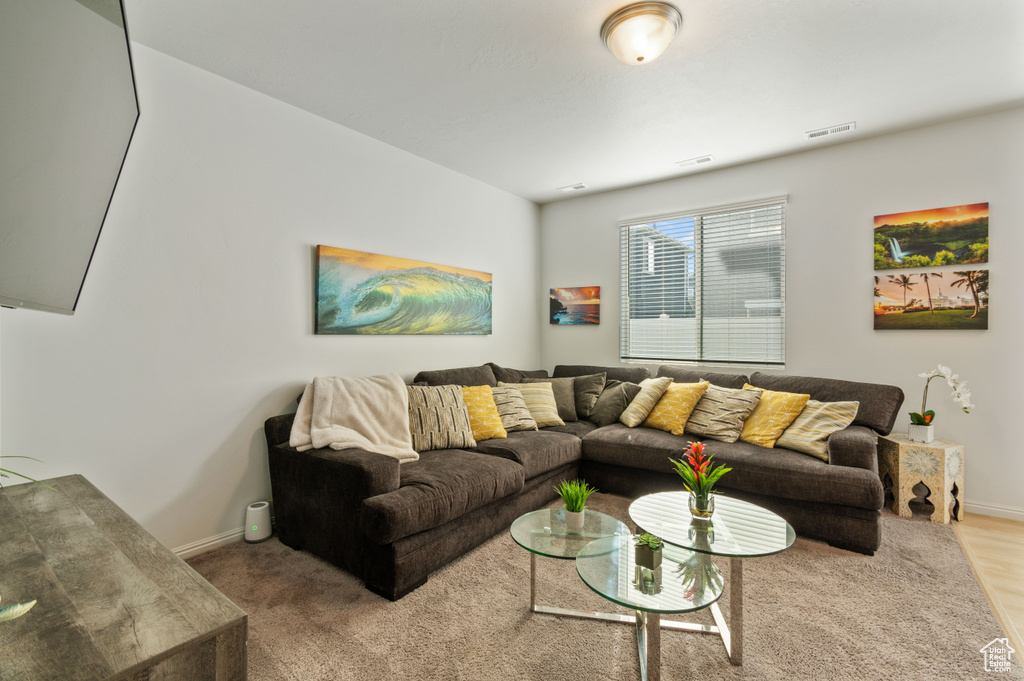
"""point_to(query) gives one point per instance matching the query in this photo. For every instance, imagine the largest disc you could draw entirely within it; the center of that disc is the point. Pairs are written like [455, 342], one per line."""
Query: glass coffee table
[684, 582]
[737, 530]
[544, 533]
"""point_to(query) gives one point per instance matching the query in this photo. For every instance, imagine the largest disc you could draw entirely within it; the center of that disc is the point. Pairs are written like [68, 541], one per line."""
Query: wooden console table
[113, 603]
[937, 464]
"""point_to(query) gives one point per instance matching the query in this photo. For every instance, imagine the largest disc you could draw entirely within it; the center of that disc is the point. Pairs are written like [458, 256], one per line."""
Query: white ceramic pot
[921, 433]
[574, 520]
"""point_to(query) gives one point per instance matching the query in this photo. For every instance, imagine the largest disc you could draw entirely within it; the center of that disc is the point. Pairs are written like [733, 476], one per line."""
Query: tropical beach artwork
[932, 300]
[366, 293]
[928, 238]
[579, 305]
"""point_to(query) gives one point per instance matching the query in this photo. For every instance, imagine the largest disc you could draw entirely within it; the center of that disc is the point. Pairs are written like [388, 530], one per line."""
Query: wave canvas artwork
[366, 293]
[579, 305]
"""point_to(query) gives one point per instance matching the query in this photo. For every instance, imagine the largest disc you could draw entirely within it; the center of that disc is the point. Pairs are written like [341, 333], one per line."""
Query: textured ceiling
[522, 94]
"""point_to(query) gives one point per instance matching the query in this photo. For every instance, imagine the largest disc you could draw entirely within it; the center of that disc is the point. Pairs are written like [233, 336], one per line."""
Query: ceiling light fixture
[639, 33]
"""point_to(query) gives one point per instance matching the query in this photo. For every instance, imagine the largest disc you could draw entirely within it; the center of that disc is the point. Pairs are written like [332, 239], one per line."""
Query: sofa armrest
[855, 446]
[278, 430]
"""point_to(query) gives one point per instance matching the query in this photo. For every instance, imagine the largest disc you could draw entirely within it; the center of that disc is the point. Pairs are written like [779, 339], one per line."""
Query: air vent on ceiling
[834, 130]
[699, 161]
[573, 187]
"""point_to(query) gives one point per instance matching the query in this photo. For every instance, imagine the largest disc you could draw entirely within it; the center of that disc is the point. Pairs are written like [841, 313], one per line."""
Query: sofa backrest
[879, 404]
[631, 374]
[506, 375]
[481, 375]
[685, 375]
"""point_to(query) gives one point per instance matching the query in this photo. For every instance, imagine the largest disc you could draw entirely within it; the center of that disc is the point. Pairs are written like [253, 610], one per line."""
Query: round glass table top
[685, 581]
[737, 529]
[544, 532]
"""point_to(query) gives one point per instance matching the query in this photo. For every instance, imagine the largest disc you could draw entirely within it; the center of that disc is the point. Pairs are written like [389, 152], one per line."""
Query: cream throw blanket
[370, 413]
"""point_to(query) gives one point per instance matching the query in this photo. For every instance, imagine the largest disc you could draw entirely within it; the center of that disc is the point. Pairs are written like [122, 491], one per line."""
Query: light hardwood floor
[995, 549]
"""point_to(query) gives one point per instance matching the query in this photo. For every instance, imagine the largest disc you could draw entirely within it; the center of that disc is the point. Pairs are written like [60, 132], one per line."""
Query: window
[708, 286]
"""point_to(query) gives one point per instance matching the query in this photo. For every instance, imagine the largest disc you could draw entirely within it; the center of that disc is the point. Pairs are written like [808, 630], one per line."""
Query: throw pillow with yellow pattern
[675, 407]
[771, 416]
[484, 418]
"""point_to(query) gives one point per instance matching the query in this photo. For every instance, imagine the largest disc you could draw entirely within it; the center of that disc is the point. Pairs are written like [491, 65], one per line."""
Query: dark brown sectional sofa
[393, 524]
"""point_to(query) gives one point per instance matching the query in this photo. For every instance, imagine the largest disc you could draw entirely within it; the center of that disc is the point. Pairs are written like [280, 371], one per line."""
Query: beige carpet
[913, 611]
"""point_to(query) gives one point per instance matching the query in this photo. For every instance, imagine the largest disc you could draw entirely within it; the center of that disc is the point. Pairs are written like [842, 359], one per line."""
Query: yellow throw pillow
[675, 407]
[771, 416]
[651, 390]
[484, 418]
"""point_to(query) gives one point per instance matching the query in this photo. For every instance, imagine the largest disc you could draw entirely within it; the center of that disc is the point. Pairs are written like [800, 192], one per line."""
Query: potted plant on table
[575, 494]
[648, 550]
[699, 478]
[922, 428]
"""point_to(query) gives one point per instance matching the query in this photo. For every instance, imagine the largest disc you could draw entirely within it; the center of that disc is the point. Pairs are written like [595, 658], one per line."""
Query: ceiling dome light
[639, 33]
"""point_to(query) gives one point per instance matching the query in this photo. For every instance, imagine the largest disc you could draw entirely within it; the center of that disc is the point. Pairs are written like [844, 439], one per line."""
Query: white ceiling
[523, 95]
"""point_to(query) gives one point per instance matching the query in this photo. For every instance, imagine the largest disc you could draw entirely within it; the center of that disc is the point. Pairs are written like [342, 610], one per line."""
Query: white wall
[834, 193]
[195, 322]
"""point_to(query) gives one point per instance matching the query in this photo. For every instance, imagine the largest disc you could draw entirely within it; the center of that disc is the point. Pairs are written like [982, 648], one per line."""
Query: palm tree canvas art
[932, 300]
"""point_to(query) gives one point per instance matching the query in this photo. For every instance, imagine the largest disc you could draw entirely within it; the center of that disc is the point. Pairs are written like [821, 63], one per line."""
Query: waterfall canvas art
[579, 305]
[951, 299]
[955, 235]
[366, 293]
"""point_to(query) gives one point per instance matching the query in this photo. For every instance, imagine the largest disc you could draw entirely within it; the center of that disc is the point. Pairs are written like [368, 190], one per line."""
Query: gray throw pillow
[506, 375]
[613, 401]
[588, 389]
[565, 395]
[721, 413]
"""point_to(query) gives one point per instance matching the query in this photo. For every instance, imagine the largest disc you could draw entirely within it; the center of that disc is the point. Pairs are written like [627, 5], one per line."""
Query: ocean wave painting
[366, 293]
[578, 305]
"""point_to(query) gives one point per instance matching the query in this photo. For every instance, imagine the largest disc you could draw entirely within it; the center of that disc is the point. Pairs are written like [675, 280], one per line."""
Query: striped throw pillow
[772, 415]
[651, 390]
[483, 413]
[674, 408]
[438, 418]
[809, 432]
[540, 400]
[515, 415]
[721, 412]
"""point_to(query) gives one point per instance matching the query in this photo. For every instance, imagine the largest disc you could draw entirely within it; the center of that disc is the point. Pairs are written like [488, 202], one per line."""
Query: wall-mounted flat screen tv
[67, 114]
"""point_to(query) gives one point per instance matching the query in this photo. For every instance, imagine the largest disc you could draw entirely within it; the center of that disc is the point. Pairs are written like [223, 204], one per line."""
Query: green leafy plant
[5, 473]
[650, 541]
[575, 494]
[14, 611]
[699, 476]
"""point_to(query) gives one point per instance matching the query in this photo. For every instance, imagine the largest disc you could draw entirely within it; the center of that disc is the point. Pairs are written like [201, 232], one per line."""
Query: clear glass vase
[701, 507]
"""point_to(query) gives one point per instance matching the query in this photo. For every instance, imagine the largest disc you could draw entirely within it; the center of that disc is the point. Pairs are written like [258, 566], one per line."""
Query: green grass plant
[575, 494]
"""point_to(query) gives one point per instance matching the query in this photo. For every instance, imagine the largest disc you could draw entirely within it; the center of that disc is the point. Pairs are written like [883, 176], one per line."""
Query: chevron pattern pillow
[773, 414]
[484, 418]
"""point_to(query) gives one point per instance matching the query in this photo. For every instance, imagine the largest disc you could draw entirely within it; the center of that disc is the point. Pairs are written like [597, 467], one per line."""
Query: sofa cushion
[515, 415]
[564, 390]
[721, 412]
[651, 390]
[484, 419]
[614, 399]
[687, 375]
[772, 415]
[442, 486]
[438, 418]
[577, 428]
[879, 404]
[540, 400]
[810, 431]
[588, 389]
[537, 452]
[481, 375]
[675, 406]
[632, 374]
[771, 472]
[506, 375]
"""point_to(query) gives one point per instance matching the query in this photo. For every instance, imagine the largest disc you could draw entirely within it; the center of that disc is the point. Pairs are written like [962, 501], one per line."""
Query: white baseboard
[210, 543]
[998, 511]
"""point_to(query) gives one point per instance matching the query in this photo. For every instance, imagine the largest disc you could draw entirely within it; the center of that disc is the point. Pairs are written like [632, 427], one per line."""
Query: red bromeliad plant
[699, 476]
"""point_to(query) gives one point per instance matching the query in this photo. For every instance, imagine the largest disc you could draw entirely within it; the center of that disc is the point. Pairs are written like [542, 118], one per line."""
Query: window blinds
[707, 286]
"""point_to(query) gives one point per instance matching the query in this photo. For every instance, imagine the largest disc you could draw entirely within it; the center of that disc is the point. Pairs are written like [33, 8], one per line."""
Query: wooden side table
[939, 465]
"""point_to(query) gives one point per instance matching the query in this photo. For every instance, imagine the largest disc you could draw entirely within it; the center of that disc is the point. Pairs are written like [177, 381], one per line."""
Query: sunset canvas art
[929, 238]
[367, 293]
[579, 305]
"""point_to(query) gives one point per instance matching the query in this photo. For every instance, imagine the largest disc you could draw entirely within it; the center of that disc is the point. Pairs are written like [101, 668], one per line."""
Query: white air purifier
[257, 522]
